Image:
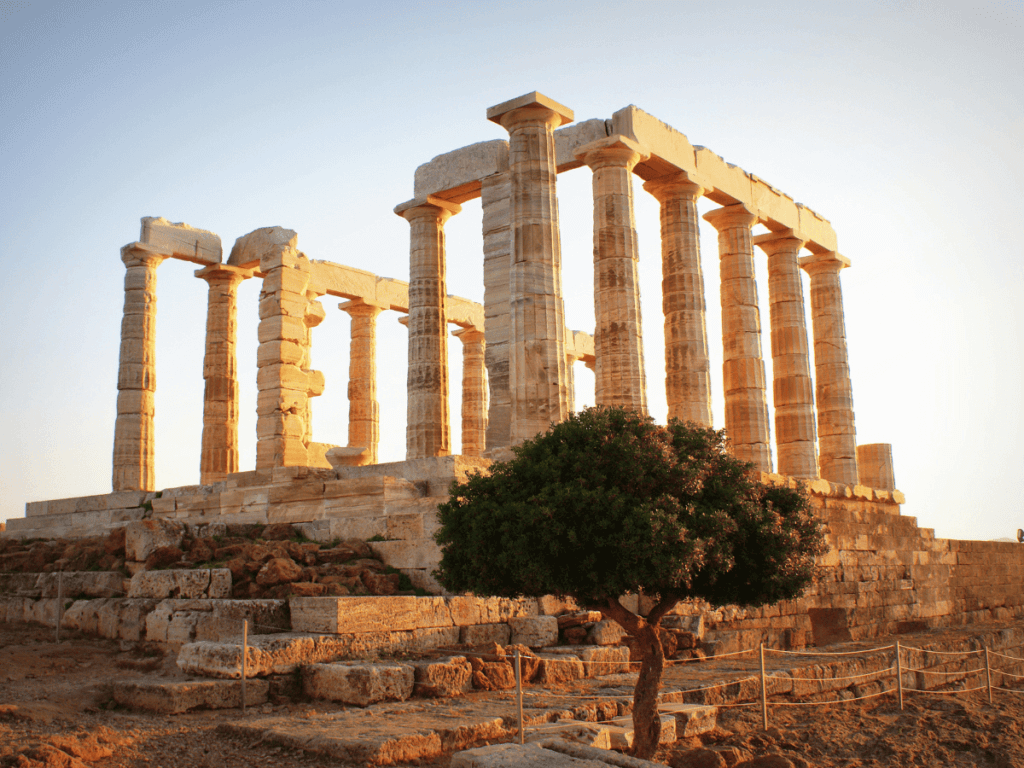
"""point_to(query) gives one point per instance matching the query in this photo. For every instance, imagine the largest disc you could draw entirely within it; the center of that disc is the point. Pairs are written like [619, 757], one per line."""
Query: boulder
[534, 631]
[605, 632]
[278, 570]
[443, 677]
[144, 537]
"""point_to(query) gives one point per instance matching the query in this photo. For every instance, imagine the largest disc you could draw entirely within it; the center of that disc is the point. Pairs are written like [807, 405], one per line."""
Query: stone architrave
[793, 389]
[837, 435]
[474, 391]
[746, 404]
[284, 380]
[363, 408]
[494, 200]
[537, 363]
[687, 367]
[428, 429]
[618, 337]
[134, 467]
[219, 455]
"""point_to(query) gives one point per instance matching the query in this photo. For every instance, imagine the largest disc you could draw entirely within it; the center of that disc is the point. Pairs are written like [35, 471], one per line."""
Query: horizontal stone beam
[181, 241]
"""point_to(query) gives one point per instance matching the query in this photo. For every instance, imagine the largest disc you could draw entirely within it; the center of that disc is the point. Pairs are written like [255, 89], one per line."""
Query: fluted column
[793, 390]
[494, 201]
[746, 404]
[363, 408]
[474, 391]
[874, 466]
[537, 376]
[618, 337]
[134, 462]
[687, 369]
[428, 431]
[219, 454]
[837, 435]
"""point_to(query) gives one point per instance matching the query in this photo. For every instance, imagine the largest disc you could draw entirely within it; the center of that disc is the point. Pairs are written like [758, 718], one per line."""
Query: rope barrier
[829, 653]
[830, 679]
[946, 693]
[944, 653]
[819, 703]
[947, 674]
[1013, 658]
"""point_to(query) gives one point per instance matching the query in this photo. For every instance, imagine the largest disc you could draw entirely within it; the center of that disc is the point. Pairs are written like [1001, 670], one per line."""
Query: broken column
[687, 370]
[537, 376]
[746, 404]
[427, 426]
[134, 467]
[284, 379]
[837, 435]
[618, 338]
[474, 391]
[494, 201]
[219, 455]
[363, 408]
[792, 387]
[874, 466]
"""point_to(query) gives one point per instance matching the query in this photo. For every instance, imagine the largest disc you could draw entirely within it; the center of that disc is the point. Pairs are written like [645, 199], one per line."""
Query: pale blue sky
[902, 123]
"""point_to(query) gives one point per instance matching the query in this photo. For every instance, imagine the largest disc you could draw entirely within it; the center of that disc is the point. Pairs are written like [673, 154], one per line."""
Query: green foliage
[376, 537]
[608, 502]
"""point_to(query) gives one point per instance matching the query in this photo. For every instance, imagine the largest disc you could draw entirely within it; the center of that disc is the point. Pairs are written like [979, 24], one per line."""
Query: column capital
[363, 307]
[777, 242]
[469, 335]
[142, 254]
[614, 151]
[216, 272]
[427, 206]
[529, 106]
[731, 216]
[828, 261]
[674, 185]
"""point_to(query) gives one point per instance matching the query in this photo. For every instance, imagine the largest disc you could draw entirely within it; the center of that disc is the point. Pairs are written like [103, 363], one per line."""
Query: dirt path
[55, 702]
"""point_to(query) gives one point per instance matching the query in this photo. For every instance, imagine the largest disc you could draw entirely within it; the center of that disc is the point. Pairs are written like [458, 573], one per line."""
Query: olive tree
[607, 503]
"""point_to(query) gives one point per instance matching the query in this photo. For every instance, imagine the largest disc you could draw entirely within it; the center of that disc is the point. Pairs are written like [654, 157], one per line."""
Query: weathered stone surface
[184, 584]
[456, 175]
[181, 240]
[143, 538]
[559, 669]
[478, 634]
[606, 632]
[691, 719]
[534, 631]
[358, 683]
[596, 660]
[521, 756]
[368, 614]
[278, 570]
[174, 698]
[444, 677]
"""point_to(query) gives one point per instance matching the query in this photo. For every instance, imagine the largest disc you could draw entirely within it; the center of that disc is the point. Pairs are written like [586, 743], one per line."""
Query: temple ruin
[518, 364]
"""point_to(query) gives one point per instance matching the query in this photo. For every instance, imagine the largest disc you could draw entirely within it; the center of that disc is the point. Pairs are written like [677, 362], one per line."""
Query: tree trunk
[646, 723]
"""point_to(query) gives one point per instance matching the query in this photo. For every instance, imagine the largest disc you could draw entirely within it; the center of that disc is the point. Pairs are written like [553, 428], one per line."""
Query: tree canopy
[607, 503]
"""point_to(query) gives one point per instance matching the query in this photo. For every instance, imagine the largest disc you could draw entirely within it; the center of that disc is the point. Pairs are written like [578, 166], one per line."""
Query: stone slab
[368, 614]
[181, 240]
[359, 683]
[174, 698]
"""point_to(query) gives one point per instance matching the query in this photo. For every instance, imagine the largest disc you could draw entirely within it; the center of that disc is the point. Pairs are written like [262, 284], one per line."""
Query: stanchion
[899, 674]
[245, 656]
[764, 692]
[60, 602]
[519, 696]
[988, 676]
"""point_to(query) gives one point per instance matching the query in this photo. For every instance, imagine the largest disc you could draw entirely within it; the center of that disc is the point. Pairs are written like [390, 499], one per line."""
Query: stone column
[795, 440]
[874, 466]
[427, 428]
[494, 200]
[134, 462]
[537, 377]
[837, 436]
[618, 337]
[474, 391]
[687, 370]
[219, 455]
[363, 408]
[570, 381]
[746, 404]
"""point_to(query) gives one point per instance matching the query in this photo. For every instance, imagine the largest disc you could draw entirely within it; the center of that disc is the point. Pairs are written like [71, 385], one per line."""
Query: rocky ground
[56, 711]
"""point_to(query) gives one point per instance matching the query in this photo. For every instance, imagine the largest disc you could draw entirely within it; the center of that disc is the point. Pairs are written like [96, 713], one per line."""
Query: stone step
[174, 698]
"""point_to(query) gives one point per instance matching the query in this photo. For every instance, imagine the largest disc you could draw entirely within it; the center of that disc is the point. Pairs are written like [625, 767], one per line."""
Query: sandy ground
[55, 710]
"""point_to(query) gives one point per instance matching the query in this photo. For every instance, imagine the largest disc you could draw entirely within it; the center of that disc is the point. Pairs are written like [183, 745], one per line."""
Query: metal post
[899, 674]
[764, 692]
[60, 602]
[519, 696]
[988, 675]
[245, 655]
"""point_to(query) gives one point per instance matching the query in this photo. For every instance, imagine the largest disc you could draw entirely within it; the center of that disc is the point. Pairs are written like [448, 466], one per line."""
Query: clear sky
[900, 122]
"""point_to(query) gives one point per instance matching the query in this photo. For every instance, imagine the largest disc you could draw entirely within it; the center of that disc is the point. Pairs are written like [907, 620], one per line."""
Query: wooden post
[245, 655]
[988, 675]
[764, 692]
[519, 696]
[60, 602]
[899, 674]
